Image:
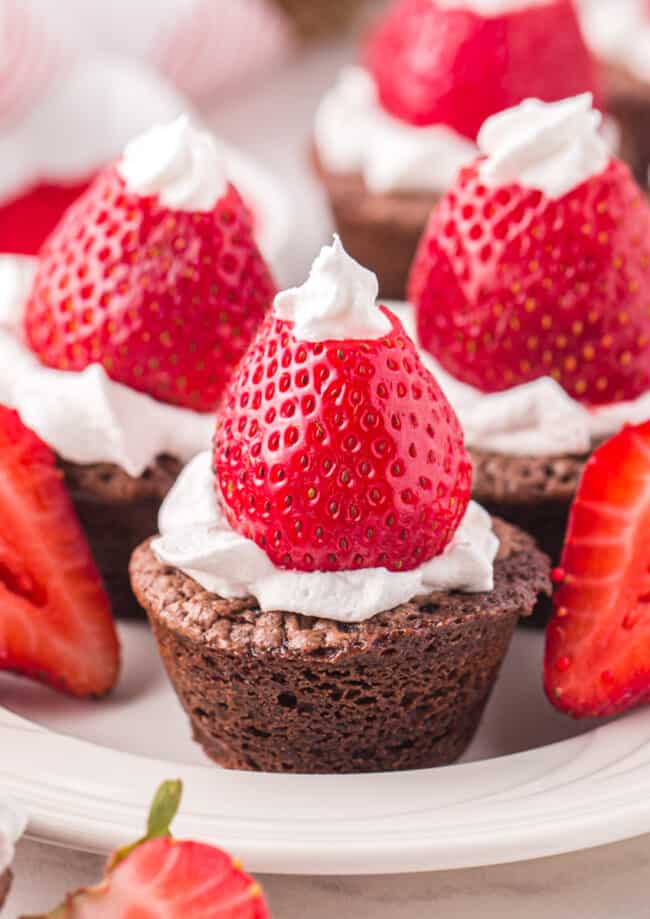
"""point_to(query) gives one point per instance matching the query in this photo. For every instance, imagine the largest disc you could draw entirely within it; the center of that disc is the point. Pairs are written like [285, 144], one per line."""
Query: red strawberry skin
[28, 219]
[598, 642]
[169, 879]
[340, 455]
[455, 67]
[167, 301]
[55, 618]
[510, 286]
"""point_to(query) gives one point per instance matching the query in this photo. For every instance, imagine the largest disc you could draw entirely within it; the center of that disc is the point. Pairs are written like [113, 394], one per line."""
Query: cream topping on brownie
[338, 301]
[550, 146]
[85, 416]
[534, 419]
[179, 163]
[12, 825]
[197, 539]
[618, 31]
[355, 134]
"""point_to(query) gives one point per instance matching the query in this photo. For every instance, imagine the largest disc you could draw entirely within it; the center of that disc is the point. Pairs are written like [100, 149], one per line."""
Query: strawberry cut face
[55, 618]
[510, 286]
[436, 65]
[340, 455]
[598, 642]
[165, 300]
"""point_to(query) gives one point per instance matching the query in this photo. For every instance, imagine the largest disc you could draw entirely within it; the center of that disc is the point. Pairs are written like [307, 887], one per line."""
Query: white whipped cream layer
[550, 146]
[354, 134]
[618, 31]
[86, 417]
[179, 163]
[12, 826]
[337, 302]
[196, 538]
[534, 419]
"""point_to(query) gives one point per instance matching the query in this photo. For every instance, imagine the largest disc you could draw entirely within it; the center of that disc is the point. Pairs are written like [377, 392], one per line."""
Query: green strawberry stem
[163, 810]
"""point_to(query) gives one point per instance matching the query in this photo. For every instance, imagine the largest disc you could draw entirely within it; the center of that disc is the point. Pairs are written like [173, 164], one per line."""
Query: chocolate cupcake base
[279, 692]
[320, 18]
[118, 512]
[5, 884]
[535, 494]
[381, 232]
[628, 101]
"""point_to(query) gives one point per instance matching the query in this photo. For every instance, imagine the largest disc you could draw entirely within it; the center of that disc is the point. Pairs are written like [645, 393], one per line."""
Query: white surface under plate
[533, 784]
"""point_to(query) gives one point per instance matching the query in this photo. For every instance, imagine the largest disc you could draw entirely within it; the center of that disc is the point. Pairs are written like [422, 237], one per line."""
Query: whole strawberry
[512, 282]
[163, 286]
[442, 63]
[163, 878]
[335, 448]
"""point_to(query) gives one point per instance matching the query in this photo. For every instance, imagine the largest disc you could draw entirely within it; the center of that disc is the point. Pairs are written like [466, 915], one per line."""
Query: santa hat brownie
[143, 300]
[390, 137]
[531, 287]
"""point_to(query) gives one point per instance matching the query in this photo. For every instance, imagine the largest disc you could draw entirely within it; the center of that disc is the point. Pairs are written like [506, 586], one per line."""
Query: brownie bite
[5, 884]
[280, 692]
[118, 512]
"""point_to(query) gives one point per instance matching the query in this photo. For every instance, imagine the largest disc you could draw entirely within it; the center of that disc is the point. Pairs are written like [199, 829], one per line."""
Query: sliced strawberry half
[161, 878]
[55, 617]
[598, 641]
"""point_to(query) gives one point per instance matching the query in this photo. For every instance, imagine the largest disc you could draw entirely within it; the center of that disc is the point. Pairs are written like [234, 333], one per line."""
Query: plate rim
[585, 804]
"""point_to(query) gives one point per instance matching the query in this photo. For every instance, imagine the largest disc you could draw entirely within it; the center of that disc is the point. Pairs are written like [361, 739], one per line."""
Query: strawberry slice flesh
[55, 618]
[598, 642]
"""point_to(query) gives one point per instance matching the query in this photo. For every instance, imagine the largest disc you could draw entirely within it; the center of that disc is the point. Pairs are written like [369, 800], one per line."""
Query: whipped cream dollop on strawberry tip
[337, 302]
[196, 538]
[12, 826]
[490, 7]
[179, 162]
[549, 146]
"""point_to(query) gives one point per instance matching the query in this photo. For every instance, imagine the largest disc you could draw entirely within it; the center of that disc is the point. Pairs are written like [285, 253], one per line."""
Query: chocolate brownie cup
[321, 18]
[279, 692]
[380, 230]
[118, 512]
[628, 100]
[5, 884]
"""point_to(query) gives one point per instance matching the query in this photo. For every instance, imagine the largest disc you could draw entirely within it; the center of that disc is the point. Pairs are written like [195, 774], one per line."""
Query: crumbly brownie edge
[280, 692]
[117, 513]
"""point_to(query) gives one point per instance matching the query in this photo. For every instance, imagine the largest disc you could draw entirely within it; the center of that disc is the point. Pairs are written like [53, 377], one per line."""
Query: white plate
[532, 784]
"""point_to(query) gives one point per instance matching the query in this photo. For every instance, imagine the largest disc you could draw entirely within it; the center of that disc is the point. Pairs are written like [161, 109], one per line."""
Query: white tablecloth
[613, 881]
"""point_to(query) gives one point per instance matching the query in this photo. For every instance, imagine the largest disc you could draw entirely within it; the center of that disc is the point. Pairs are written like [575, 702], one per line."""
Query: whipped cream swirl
[550, 146]
[618, 31]
[197, 539]
[534, 419]
[178, 162]
[12, 826]
[86, 417]
[338, 301]
[354, 134]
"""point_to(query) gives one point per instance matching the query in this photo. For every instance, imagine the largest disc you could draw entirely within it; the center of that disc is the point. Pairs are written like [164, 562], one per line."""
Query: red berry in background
[163, 878]
[337, 455]
[55, 618]
[27, 220]
[598, 643]
[436, 65]
[510, 285]
[166, 301]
